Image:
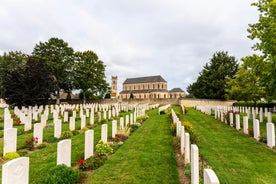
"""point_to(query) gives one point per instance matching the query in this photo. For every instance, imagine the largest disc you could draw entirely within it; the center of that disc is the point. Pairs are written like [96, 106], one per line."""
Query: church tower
[114, 80]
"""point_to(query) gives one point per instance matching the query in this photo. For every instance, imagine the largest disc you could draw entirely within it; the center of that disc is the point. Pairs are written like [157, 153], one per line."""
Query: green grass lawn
[235, 157]
[148, 156]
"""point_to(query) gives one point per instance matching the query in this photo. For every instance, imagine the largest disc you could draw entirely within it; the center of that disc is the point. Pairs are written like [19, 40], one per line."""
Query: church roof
[176, 90]
[156, 78]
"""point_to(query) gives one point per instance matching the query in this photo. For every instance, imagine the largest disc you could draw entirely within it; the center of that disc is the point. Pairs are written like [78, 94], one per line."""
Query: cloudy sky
[134, 38]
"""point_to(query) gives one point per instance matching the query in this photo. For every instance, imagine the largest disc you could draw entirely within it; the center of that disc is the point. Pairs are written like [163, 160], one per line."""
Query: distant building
[114, 80]
[153, 87]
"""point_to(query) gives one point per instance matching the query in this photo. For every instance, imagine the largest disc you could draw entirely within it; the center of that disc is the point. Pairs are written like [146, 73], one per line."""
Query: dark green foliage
[52, 139]
[66, 134]
[60, 174]
[133, 128]
[212, 81]
[59, 57]
[29, 85]
[94, 162]
[89, 75]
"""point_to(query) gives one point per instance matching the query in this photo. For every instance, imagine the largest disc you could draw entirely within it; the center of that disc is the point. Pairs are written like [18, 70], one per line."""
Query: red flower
[81, 161]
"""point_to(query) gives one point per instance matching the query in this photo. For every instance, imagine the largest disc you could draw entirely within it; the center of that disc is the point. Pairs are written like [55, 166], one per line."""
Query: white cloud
[134, 38]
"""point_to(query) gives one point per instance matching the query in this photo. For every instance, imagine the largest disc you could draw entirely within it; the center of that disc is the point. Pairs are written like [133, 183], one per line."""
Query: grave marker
[64, 152]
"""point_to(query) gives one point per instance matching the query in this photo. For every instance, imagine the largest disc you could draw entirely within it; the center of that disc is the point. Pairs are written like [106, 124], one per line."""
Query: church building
[151, 87]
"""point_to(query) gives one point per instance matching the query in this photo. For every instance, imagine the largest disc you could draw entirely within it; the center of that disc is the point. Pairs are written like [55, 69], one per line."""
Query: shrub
[66, 134]
[120, 137]
[124, 131]
[60, 174]
[52, 139]
[84, 129]
[22, 152]
[11, 156]
[103, 148]
[91, 163]
[30, 143]
[187, 170]
[133, 128]
[173, 129]
[75, 132]
[187, 125]
[42, 145]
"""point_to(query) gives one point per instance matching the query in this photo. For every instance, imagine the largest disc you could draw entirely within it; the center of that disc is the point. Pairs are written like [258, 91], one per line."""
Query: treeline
[255, 78]
[52, 67]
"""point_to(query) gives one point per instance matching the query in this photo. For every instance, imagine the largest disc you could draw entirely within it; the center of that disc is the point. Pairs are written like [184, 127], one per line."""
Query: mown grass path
[235, 157]
[148, 156]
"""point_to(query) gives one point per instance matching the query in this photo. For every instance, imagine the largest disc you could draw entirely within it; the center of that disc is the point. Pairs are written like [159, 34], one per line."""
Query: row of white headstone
[10, 134]
[191, 155]
[17, 170]
[164, 107]
[234, 116]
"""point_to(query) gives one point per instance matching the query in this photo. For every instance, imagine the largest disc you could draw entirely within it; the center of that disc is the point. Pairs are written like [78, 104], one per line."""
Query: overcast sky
[134, 38]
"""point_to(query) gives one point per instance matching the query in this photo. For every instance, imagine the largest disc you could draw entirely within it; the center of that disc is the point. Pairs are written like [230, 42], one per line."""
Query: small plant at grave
[42, 145]
[11, 156]
[176, 142]
[189, 128]
[120, 138]
[124, 131]
[173, 129]
[103, 148]
[187, 170]
[31, 142]
[251, 132]
[82, 164]
[51, 139]
[66, 134]
[133, 127]
[22, 153]
[263, 138]
[75, 132]
[187, 125]
[103, 121]
[16, 122]
[96, 161]
[141, 119]
[60, 174]
[84, 129]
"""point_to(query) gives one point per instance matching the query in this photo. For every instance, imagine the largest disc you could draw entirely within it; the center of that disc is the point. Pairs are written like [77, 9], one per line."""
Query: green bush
[11, 156]
[60, 174]
[52, 139]
[22, 152]
[103, 148]
[66, 134]
[92, 163]
[75, 132]
[173, 129]
[84, 129]
[42, 145]
[187, 170]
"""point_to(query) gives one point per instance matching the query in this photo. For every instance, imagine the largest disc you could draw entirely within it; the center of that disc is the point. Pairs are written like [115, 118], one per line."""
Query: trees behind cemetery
[52, 67]
[212, 81]
[256, 78]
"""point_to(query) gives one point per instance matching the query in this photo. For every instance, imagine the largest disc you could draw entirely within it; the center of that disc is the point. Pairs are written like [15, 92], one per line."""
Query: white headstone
[72, 123]
[99, 116]
[91, 117]
[210, 177]
[28, 123]
[64, 152]
[38, 132]
[131, 118]
[187, 148]
[245, 124]
[256, 129]
[104, 133]
[122, 122]
[10, 140]
[89, 144]
[270, 134]
[114, 128]
[238, 124]
[57, 127]
[83, 121]
[182, 139]
[194, 164]
[8, 123]
[16, 171]
[65, 118]
[261, 116]
[231, 119]
[269, 117]
[127, 120]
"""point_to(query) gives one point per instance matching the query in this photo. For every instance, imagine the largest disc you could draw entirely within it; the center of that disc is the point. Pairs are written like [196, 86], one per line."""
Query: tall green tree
[60, 58]
[29, 85]
[248, 84]
[264, 32]
[212, 80]
[11, 61]
[89, 75]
